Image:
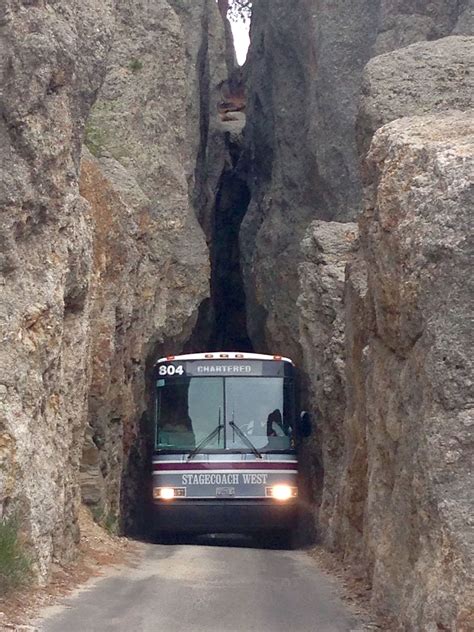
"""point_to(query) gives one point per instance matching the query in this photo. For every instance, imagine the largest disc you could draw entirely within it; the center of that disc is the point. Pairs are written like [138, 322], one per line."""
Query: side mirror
[305, 423]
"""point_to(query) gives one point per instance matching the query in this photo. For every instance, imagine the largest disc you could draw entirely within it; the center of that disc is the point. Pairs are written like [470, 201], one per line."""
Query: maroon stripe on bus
[268, 465]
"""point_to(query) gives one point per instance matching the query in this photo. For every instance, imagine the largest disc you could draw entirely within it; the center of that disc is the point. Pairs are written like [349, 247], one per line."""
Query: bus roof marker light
[240, 356]
[209, 356]
[170, 357]
[224, 355]
[277, 357]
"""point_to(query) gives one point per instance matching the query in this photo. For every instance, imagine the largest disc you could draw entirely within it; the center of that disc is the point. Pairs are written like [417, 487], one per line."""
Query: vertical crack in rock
[222, 324]
[230, 319]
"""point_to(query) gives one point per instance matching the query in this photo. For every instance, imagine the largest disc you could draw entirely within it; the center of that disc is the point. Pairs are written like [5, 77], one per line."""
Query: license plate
[225, 491]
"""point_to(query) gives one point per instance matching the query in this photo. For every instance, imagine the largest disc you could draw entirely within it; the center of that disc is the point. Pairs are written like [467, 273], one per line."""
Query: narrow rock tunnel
[116, 478]
[353, 141]
[221, 325]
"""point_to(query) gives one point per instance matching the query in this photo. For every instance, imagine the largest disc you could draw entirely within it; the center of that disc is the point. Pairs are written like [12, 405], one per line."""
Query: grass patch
[108, 521]
[111, 523]
[15, 565]
[95, 139]
[135, 65]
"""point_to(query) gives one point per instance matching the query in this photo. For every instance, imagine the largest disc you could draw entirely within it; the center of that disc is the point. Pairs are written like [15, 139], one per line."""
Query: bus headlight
[163, 493]
[168, 493]
[282, 492]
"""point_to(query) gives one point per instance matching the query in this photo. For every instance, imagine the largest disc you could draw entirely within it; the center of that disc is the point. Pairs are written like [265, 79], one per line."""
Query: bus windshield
[190, 409]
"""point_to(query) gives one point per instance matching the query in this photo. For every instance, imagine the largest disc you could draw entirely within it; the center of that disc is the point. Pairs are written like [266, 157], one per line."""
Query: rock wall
[158, 154]
[437, 80]
[326, 248]
[305, 68]
[423, 78]
[405, 492]
[364, 327]
[51, 65]
[97, 274]
[378, 344]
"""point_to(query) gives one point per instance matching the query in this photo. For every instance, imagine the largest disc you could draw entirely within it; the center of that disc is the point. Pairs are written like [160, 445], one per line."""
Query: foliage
[135, 65]
[95, 139]
[108, 521]
[240, 10]
[15, 565]
[111, 523]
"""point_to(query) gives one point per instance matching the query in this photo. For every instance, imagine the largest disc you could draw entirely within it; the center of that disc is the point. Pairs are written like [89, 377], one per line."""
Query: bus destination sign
[221, 368]
[224, 368]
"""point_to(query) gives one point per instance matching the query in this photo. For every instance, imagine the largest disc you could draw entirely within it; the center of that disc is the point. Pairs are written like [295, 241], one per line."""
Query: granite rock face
[51, 65]
[158, 155]
[305, 68]
[369, 324]
[388, 374]
[103, 261]
[386, 328]
[423, 78]
[410, 386]
[326, 248]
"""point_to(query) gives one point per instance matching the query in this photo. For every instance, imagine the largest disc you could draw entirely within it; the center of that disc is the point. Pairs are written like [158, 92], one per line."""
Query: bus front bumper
[224, 516]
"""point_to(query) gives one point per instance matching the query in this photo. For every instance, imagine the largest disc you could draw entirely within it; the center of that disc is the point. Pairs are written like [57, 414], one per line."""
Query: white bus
[225, 436]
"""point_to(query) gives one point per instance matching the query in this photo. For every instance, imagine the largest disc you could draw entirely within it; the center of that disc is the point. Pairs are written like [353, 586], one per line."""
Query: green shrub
[95, 139]
[111, 523]
[15, 565]
[135, 65]
[107, 520]
[97, 512]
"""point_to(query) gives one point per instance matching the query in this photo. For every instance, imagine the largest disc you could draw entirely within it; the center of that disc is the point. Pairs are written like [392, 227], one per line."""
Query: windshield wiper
[210, 437]
[245, 439]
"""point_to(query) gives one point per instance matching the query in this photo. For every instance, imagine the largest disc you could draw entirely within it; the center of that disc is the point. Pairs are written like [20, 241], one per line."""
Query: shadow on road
[269, 541]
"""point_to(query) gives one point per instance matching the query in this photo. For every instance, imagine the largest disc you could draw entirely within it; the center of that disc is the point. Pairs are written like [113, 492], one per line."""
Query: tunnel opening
[221, 323]
[221, 326]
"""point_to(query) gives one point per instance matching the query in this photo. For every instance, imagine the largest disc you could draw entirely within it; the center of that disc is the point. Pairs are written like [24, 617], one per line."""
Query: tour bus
[225, 437]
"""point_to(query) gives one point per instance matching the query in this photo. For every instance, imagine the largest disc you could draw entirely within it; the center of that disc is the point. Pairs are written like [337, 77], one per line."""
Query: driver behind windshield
[274, 421]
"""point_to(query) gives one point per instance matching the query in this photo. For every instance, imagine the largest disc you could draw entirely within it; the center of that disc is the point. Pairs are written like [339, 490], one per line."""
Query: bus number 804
[171, 370]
